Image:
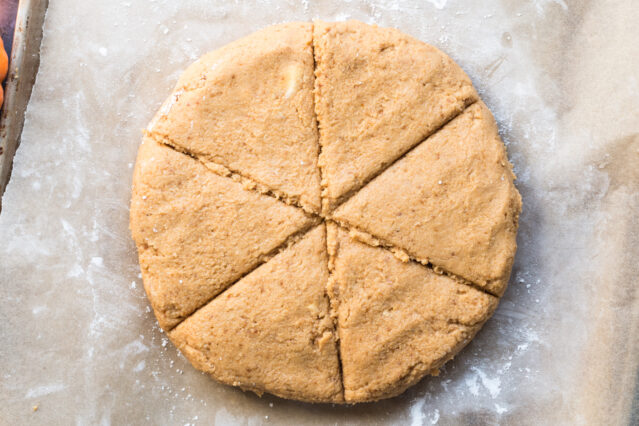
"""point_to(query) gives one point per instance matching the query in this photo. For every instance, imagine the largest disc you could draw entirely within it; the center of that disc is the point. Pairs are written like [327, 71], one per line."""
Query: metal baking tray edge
[23, 67]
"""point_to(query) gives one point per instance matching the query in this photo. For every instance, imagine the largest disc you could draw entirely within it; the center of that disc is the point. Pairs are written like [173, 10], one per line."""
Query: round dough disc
[324, 212]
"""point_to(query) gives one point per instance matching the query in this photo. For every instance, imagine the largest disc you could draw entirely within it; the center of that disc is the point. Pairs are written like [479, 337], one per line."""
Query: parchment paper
[79, 340]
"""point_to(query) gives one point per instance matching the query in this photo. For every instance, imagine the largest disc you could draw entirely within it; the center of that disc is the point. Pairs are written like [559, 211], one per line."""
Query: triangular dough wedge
[249, 107]
[396, 321]
[450, 201]
[197, 232]
[378, 93]
[271, 332]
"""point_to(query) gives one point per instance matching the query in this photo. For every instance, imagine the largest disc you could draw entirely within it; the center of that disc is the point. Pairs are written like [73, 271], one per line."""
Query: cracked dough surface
[337, 259]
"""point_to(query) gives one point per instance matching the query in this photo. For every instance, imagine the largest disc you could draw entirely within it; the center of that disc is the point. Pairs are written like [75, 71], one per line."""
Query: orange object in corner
[4, 67]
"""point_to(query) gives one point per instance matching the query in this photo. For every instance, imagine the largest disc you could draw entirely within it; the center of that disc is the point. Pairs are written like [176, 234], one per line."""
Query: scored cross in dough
[197, 232]
[451, 201]
[378, 92]
[396, 321]
[227, 207]
[249, 107]
[271, 332]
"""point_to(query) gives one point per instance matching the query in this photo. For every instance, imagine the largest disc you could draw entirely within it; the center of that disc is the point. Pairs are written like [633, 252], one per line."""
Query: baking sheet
[80, 342]
[23, 19]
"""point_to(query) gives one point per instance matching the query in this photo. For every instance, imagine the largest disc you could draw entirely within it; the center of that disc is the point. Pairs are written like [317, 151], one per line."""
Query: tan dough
[379, 93]
[198, 232]
[271, 332]
[249, 107]
[397, 321]
[450, 201]
[347, 288]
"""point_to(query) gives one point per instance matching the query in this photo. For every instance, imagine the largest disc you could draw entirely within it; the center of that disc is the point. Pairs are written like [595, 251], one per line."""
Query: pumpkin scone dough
[271, 332]
[338, 259]
[451, 201]
[378, 93]
[398, 321]
[198, 232]
[249, 107]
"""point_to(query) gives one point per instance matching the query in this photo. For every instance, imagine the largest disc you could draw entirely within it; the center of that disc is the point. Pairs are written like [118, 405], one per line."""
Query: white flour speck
[473, 387]
[499, 409]
[37, 309]
[439, 4]
[341, 17]
[140, 366]
[416, 414]
[44, 390]
[434, 418]
[492, 384]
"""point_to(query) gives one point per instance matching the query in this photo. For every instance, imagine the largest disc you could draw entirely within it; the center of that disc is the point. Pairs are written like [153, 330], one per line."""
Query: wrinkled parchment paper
[79, 341]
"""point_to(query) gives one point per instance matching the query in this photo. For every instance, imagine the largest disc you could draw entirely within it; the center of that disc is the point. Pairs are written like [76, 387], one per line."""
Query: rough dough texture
[231, 218]
[397, 321]
[198, 232]
[451, 201]
[379, 93]
[271, 332]
[249, 107]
